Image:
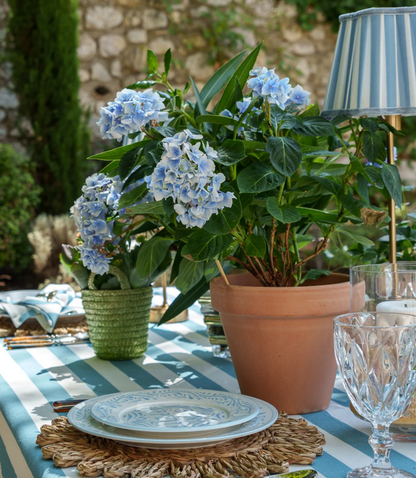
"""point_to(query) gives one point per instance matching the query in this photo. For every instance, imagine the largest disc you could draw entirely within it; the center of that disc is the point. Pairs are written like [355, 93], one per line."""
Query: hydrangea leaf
[190, 273]
[230, 152]
[167, 60]
[259, 177]
[255, 246]
[314, 274]
[152, 62]
[151, 255]
[133, 196]
[391, 178]
[372, 145]
[286, 214]
[356, 237]
[285, 154]
[315, 126]
[203, 246]
[225, 220]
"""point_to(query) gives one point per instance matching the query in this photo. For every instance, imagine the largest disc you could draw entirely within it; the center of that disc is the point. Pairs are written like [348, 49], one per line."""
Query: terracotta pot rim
[219, 282]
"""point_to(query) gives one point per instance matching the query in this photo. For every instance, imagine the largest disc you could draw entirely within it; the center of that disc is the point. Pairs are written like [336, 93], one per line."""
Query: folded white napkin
[44, 309]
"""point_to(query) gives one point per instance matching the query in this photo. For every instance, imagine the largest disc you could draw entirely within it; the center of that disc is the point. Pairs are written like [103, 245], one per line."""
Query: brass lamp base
[156, 313]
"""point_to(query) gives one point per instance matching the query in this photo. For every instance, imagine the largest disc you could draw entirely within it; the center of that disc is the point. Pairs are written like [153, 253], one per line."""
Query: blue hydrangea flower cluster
[129, 112]
[267, 84]
[187, 175]
[242, 108]
[92, 213]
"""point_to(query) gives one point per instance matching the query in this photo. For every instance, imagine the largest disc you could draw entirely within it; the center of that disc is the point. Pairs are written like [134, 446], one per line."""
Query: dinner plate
[174, 410]
[80, 417]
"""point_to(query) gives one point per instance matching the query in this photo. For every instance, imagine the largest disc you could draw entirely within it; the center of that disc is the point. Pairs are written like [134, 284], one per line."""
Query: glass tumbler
[388, 288]
[376, 356]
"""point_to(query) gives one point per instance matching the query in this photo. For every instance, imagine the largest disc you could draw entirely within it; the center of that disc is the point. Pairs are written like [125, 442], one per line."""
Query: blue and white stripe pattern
[178, 356]
[374, 67]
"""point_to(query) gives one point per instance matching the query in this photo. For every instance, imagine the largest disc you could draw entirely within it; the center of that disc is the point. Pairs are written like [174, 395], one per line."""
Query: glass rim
[350, 314]
[404, 266]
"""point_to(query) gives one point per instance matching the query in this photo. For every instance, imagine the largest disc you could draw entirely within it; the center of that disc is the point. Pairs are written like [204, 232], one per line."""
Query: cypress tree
[42, 46]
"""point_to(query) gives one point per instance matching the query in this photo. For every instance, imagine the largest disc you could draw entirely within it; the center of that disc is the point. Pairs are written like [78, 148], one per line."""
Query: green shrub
[332, 10]
[42, 46]
[19, 195]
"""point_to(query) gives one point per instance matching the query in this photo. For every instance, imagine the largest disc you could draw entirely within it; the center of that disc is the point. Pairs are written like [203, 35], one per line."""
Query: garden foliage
[42, 45]
[19, 195]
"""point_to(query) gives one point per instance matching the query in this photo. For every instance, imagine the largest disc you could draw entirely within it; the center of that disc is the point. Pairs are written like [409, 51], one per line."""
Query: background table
[179, 355]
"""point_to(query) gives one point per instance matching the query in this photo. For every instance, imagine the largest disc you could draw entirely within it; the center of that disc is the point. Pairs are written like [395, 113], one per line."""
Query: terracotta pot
[281, 339]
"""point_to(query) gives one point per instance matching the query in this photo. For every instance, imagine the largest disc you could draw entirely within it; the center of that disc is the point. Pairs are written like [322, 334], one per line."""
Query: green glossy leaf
[152, 62]
[362, 188]
[211, 270]
[356, 237]
[230, 152]
[285, 154]
[372, 145]
[190, 273]
[315, 126]
[151, 255]
[184, 301]
[311, 110]
[132, 197]
[201, 107]
[391, 178]
[254, 145]
[259, 177]
[375, 175]
[351, 204]
[217, 119]
[111, 169]
[313, 274]
[225, 220]
[167, 61]
[128, 162]
[255, 246]
[370, 125]
[241, 74]
[319, 216]
[203, 245]
[286, 214]
[358, 167]
[117, 153]
[220, 78]
[154, 208]
[141, 85]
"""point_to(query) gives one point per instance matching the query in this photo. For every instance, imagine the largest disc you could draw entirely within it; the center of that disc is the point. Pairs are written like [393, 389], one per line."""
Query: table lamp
[373, 73]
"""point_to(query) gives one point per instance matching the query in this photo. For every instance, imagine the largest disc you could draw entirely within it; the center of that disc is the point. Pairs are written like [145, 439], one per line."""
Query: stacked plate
[171, 418]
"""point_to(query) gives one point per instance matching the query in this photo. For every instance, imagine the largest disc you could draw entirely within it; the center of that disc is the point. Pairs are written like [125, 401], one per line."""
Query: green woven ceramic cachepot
[118, 320]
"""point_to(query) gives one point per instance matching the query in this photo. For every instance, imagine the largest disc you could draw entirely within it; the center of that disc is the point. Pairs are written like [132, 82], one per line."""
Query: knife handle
[27, 338]
[21, 345]
[65, 405]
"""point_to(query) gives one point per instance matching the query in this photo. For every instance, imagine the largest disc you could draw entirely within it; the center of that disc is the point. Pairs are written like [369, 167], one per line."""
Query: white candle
[404, 306]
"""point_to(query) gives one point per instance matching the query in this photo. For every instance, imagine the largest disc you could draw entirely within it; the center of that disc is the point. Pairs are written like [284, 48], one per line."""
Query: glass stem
[381, 442]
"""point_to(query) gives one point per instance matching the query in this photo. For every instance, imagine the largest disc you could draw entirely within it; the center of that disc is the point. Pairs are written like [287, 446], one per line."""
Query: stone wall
[115, 35]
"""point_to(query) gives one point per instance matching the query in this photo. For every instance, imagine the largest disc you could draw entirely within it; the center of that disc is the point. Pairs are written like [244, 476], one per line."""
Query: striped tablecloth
[178, 355]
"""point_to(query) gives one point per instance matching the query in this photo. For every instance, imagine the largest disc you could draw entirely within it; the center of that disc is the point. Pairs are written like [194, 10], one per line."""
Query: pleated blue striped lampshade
[374, 68]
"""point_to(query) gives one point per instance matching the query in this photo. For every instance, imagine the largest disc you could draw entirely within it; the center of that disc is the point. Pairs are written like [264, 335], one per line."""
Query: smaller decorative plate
[174, 411]
[80, 418]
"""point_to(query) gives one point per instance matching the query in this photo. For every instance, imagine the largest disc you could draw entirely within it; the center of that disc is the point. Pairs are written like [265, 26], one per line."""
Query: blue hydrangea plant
[241, 172]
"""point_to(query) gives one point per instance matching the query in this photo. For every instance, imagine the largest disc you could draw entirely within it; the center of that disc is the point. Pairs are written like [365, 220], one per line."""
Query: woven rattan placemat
[288, 441]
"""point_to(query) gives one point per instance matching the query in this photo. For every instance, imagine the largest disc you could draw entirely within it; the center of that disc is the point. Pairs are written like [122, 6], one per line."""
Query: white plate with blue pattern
[174, 411]
[80, 417]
